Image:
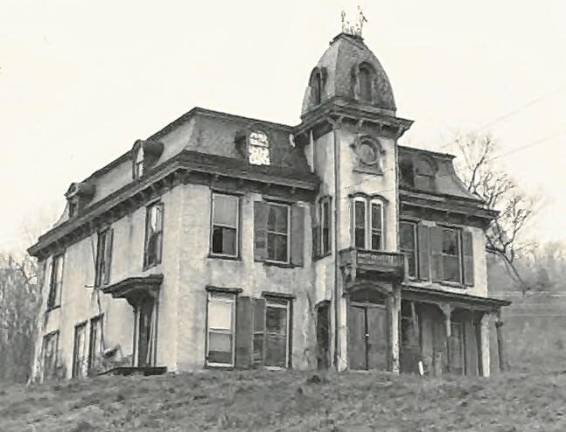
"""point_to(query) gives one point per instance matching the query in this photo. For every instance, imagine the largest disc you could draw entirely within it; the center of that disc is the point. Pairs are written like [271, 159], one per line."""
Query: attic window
[144, 155]
[258, 148]
[424, 175]
[365, 83]
[316, 86]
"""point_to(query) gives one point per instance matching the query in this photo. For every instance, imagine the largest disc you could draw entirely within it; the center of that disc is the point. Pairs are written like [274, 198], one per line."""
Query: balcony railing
[387, 264]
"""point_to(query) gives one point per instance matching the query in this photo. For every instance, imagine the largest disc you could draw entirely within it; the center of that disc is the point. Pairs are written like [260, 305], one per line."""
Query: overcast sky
[80, 81]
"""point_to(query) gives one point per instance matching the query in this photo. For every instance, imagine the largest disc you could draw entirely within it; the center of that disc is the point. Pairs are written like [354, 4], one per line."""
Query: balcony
[368, 264]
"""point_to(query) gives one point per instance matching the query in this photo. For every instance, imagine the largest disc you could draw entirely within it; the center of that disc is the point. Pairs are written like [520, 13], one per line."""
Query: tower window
[365, 77]
[258, 148]
[316, 87]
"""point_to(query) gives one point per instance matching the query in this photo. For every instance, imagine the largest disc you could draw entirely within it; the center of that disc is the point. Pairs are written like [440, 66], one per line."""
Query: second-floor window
[56, 282]
[325, 226]
[408, 245]
[449, 255]
[103, 257]
[225, 222]
[153, 235]
[368, 224]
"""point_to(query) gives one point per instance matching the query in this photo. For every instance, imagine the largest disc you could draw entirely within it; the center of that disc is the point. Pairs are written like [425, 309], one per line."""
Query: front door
[145, 332]
[367, 336]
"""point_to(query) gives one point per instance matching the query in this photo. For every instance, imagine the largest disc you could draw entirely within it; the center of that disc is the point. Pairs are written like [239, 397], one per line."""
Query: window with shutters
[368, 224]
[451, 253]
[50, 355]
[325, 226]
[221, 319]
[408, 246]
[278, 233]
[153, 235]
[277, 329]
[225, 223]
[103, 257]
[56, 282]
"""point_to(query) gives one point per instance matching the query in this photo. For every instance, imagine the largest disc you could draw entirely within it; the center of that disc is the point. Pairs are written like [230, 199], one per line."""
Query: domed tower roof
[350, 71]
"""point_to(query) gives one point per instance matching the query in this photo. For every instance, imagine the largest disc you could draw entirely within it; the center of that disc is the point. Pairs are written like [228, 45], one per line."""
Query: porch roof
[133, 288]
[467, 301]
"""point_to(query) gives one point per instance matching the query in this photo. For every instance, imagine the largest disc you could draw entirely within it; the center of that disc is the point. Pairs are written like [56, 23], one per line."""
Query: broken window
[258, 148]
[225, 220]
[451, 255]
[368, 224]
[408, 246]
[277, 332]
[80, 358]
[103, 257]
[153, 235]
[56, 282]
[220, 325]
[96, 344]
[50, 355]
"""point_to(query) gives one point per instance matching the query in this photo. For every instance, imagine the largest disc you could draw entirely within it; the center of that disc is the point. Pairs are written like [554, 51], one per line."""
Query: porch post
[500, 341]
[394, 310]
[447, 310]
[484, 345]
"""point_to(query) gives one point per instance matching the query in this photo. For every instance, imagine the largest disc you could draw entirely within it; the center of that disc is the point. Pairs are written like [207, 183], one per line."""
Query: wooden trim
[285, 296]
[225, 290]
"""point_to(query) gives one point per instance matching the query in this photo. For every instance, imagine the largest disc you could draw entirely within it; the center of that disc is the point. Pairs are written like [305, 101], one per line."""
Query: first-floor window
[80, 358]
[277, 325]
[95, 344]
[221, 323]
[368, 224]
[408, 246]
[50, 355]
[225, 220]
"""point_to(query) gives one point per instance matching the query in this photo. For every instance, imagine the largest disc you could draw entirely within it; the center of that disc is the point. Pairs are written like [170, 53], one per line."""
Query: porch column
[500, 341]
[394, 311]
[484, 345]
[447, 310]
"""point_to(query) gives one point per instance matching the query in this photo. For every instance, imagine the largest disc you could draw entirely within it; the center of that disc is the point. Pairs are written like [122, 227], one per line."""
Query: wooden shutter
[258, 353]
[244, 327]
[297, 235]
[108, 255]
[468, 253]
[423, 245]
[316, 241]
[436, 253]
[261, 210]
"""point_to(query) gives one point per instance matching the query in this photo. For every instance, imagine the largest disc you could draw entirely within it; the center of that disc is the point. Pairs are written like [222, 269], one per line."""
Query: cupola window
[365, 76]
[316, 87]
[258, 148]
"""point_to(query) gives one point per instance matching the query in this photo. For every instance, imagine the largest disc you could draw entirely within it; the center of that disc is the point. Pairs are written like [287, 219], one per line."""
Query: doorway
[367, 336]
[145, 332]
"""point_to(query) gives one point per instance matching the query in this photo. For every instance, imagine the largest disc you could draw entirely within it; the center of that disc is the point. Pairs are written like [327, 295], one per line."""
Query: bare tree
[477, 167]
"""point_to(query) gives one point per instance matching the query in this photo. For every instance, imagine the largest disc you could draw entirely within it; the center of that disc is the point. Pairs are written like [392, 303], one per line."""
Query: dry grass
[289, 401]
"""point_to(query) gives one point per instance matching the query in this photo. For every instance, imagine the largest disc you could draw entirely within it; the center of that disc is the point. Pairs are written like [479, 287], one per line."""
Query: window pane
[259, 139]
[360, 240]
[407, 236]
[376, 216]
[276, 350]
[276, 320]
[412, 265]
[277, 218]
[225, 209]
[450, 242]
[451, 268]
[220, 314]
[376, 240]
[360, 214]
[277, 247]
[219, 348]
[259, 155]
[224, 241]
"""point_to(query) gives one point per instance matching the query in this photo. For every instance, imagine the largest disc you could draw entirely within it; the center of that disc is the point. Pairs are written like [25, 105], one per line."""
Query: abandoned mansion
[228, 242]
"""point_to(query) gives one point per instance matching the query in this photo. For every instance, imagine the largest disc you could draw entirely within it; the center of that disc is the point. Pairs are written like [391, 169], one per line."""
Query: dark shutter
[316, 241]
[261, 210]
[424, 251]
[297, 235]
[108, 255]
[258, 353]
[436, 253]
[468, 252]
[244, 332]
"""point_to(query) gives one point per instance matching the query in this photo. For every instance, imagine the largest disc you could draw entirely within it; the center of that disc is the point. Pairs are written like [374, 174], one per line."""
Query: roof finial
[357, 28]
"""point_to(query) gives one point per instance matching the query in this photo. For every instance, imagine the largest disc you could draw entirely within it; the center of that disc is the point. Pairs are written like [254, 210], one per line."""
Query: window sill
[278, 264]
[451, 284]
[224, 257]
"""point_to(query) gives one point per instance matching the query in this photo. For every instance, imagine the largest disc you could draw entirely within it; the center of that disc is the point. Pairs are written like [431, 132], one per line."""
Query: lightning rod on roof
[355, 29]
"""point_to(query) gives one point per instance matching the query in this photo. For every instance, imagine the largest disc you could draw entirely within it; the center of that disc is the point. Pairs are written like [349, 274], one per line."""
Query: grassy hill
[289, 401]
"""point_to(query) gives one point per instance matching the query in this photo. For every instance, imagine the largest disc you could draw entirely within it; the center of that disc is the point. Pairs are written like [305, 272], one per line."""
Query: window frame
[366, 70]
[287, 234]
[325, 218]
[459, 255]
[415, 251]
[47, 338]
[368, 223]
[55, 286]
[226, 297]
[279, 302]
[91, 359]
[158, 260]
[138, 164]
[77, 369]
[236, 255]
[250, 145]
[103, 262]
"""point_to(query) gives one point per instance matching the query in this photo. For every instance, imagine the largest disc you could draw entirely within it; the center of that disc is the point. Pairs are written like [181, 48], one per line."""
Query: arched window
[365, 78]
[258, 148]
[316, 86]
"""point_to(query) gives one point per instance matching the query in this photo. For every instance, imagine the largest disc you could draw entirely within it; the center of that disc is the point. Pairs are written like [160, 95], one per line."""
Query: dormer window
[78, 196]
[144, 155]
[138, 164]
[316, 85]
[424, 175]
[258, 148]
